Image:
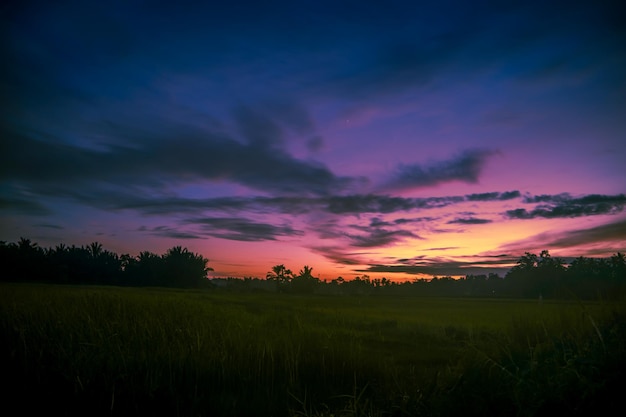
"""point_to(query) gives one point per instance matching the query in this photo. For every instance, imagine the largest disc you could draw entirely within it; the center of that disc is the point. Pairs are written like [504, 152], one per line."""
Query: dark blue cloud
[379, 238]
[27, 206]
[242, 229]
[170, 232]
[563, 205]
[494, 196]
[377, 235]
[615, 232]
[469, 220]
[185, 155]
[338, 255]
[466, 167]
[439, 268]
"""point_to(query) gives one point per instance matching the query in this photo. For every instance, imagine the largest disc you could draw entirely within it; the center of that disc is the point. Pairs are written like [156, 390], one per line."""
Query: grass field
[123, 351]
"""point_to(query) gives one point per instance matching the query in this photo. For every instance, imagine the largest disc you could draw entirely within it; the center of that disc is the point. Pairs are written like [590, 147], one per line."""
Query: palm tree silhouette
[306, 272]
[95, 249]
[280, 274]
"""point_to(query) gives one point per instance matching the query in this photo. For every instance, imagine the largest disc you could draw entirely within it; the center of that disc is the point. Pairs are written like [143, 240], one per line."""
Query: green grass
[122, 351]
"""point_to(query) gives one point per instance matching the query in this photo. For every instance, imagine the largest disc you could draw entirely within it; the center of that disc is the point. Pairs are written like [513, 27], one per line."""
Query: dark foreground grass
[116, 352]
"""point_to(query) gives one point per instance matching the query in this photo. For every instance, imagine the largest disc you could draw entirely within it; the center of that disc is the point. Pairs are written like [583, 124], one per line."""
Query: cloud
[292, 115]
[367, 204]
[466, 167]
[379, 237]
[50, 226]
[414, 220]
[242, 229]
[258, 129]
[169, 232]
[563, 205]
[230, 228]
[148, 202]
[24, 205]
[607, 237]
[481, 38]
[442, 248]
[388, 69]
[567, 198]
[438, 268]
[355, 204]
[615, 232]
[374, 234]
[181, 154]
[469, 220]
[337, 255]
[443, 266]
[151, 205]
[376, 222]
[372, 203]
[315, 143]
[266, 124]
[493, 196]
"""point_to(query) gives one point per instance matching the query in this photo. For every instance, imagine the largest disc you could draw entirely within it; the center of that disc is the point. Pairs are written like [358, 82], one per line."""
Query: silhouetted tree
[281, 275]
[148, 270]
[94, 249]
[183, 268]
[23, 261]
[521, 279]
[597, 277]
[59, 265]
[549, 275]
[304, 282]
[618, 267]
[358, 286]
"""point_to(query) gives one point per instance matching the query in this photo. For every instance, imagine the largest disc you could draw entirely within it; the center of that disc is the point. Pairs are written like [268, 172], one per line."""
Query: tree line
[533, 276]
[91, 264]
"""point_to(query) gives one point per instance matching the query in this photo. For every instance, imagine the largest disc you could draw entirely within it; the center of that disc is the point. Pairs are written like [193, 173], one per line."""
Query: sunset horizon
[407, 141]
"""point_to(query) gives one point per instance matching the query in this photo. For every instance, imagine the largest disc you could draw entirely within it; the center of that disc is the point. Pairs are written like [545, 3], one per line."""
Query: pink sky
[404, 141]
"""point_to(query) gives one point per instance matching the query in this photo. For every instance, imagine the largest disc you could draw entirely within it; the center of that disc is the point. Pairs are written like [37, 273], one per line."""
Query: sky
[402, 139]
